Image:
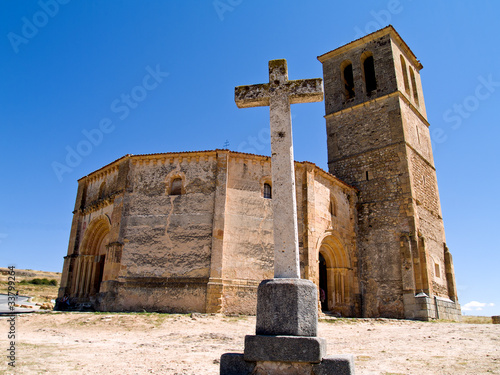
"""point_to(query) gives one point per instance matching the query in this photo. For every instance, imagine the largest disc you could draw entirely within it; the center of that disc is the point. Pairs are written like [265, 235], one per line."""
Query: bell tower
[378, 141]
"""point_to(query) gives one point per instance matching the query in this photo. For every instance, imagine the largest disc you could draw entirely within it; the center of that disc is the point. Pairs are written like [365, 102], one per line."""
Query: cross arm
[252, 96]
[305, 90]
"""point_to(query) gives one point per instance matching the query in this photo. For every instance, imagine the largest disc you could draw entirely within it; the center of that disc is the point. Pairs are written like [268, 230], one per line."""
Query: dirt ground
[98, 343]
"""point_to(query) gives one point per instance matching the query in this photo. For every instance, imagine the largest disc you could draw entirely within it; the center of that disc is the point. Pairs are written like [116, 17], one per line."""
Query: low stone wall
[422, 307]
[446, 309]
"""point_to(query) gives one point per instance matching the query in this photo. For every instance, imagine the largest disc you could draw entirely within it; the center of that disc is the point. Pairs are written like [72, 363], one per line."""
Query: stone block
[284, 348]
[234, 364]
[282, 368]
[287, 307]
[338, 365]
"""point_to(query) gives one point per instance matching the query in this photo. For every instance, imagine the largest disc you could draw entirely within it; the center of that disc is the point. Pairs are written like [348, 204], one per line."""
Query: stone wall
[424, 307]
[99, 200]
[248, 253]
[167, 238]
[372, 158]
[327, 206]
[248, 235]
[177, 295]
[379, 142]
[208, 248]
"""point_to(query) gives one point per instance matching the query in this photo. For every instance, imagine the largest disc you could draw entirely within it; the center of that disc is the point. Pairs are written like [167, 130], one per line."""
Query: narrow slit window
[414, 86]
[333, 206]
[405, 75]
[102, 191]
[348, 78]
[84, 197]
[367, 176]
[437, 270]
[268, 191]
[176, 188]
[370, 80]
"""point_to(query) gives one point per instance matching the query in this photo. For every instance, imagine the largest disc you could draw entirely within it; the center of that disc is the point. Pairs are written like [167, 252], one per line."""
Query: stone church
[192, 231]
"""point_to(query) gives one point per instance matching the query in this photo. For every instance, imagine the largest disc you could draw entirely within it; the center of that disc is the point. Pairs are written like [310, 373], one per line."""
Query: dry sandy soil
[97, 343]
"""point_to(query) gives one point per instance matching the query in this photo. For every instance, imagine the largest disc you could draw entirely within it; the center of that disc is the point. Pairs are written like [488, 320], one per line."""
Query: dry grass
[470, 319]
[41, 293]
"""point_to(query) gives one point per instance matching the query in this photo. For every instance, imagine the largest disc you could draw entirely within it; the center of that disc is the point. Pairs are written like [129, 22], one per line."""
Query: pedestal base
[234, 364]
[284, 348]
[286, 342]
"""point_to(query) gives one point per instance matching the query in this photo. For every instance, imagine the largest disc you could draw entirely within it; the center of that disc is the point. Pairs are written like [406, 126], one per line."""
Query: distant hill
[29, 274]
[41, 293]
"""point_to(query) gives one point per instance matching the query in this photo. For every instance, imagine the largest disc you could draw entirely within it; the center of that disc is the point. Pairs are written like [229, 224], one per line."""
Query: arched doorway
[323, 283]
[88, 269]
[335, 277]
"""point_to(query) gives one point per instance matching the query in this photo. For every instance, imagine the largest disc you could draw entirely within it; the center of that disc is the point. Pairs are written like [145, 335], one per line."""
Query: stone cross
[278, 94]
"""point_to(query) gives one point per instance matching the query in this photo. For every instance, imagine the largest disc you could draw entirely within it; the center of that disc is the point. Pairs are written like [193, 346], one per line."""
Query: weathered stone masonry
[205, 249]
[378, 141]
[193, 231]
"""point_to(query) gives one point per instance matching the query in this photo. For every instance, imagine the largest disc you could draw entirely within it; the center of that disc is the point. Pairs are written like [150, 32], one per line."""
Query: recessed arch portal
[89, 265]
[336, 276]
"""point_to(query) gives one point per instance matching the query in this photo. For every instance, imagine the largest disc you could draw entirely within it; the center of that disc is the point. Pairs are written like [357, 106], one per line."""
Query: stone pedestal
[287, 307]
[234, 364]
[284, 348]
[286, 342]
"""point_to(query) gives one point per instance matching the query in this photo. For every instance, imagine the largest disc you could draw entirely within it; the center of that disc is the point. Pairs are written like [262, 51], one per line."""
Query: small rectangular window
[333, 206]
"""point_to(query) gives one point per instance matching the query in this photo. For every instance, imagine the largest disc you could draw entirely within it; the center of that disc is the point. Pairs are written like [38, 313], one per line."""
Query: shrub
[37, 281]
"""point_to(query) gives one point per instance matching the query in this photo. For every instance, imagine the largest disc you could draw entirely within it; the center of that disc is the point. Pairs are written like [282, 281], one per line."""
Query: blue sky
[75, 73]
